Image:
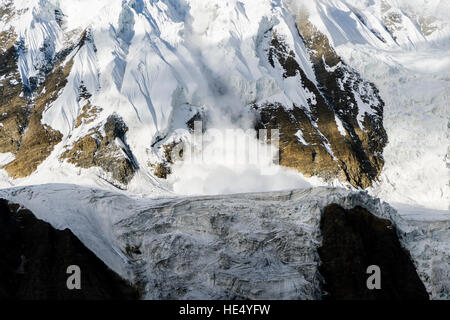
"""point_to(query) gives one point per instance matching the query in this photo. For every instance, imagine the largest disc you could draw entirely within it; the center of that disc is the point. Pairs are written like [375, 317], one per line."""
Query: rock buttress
[342, 129]
[108, 151]
[355, 239]
[35, 257]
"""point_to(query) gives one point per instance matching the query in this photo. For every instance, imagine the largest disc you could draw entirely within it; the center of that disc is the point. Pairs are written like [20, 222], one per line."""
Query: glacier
[157, 63]
[258, 246]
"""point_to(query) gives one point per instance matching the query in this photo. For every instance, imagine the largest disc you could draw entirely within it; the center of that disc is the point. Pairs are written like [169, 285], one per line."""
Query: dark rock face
[353, 240]
[111, 158]
[38, 140]
[33, 141]
[35, 258]
[23, 104]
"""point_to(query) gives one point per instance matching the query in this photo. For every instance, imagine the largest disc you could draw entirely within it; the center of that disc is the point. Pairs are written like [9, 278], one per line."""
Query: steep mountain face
[36, 258]
[402, 47]
[354, 239]
[14, 105]
[347, 115]
[103, 92]
[153, 67]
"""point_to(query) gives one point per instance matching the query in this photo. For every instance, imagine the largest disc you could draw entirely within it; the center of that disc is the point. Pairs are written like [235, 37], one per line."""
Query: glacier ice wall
[261, 245]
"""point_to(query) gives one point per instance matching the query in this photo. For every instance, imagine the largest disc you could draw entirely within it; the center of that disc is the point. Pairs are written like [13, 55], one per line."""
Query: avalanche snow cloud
[402, 46]
[98, 93]
[155, 65]
[150, 67]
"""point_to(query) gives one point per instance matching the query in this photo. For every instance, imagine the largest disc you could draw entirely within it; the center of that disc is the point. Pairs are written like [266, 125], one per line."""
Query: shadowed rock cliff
[353, 240]
[35, 257]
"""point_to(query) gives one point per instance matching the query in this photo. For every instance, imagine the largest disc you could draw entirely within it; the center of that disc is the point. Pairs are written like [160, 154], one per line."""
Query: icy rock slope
[250, 245]
[156, 88]
[402, 47]
[158, 64]
[153, 63]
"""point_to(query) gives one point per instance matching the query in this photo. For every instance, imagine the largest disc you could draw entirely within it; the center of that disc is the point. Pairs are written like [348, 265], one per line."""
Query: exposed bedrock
[108, 151]
[338, 138]
[355, 239]
[35, 258]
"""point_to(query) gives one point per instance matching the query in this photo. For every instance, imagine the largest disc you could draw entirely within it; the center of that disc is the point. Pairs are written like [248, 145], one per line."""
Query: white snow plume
[154, 63]
[235, 161]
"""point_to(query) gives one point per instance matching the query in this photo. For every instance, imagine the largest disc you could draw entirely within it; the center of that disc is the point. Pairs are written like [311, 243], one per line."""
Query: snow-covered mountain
[98, 95]
[111, 90]
[102, 92]
[402, 47]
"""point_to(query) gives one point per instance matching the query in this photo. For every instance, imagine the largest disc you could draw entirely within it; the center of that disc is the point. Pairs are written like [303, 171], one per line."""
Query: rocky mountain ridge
[62, 111]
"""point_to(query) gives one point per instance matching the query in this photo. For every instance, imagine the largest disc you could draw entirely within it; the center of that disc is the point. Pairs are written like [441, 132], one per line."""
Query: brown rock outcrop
[38, 141]
[97, 150]
[14, 110]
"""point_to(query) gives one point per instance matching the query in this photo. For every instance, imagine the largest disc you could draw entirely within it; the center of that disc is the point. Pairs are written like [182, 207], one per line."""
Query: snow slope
[411, 68]
[155, 64]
